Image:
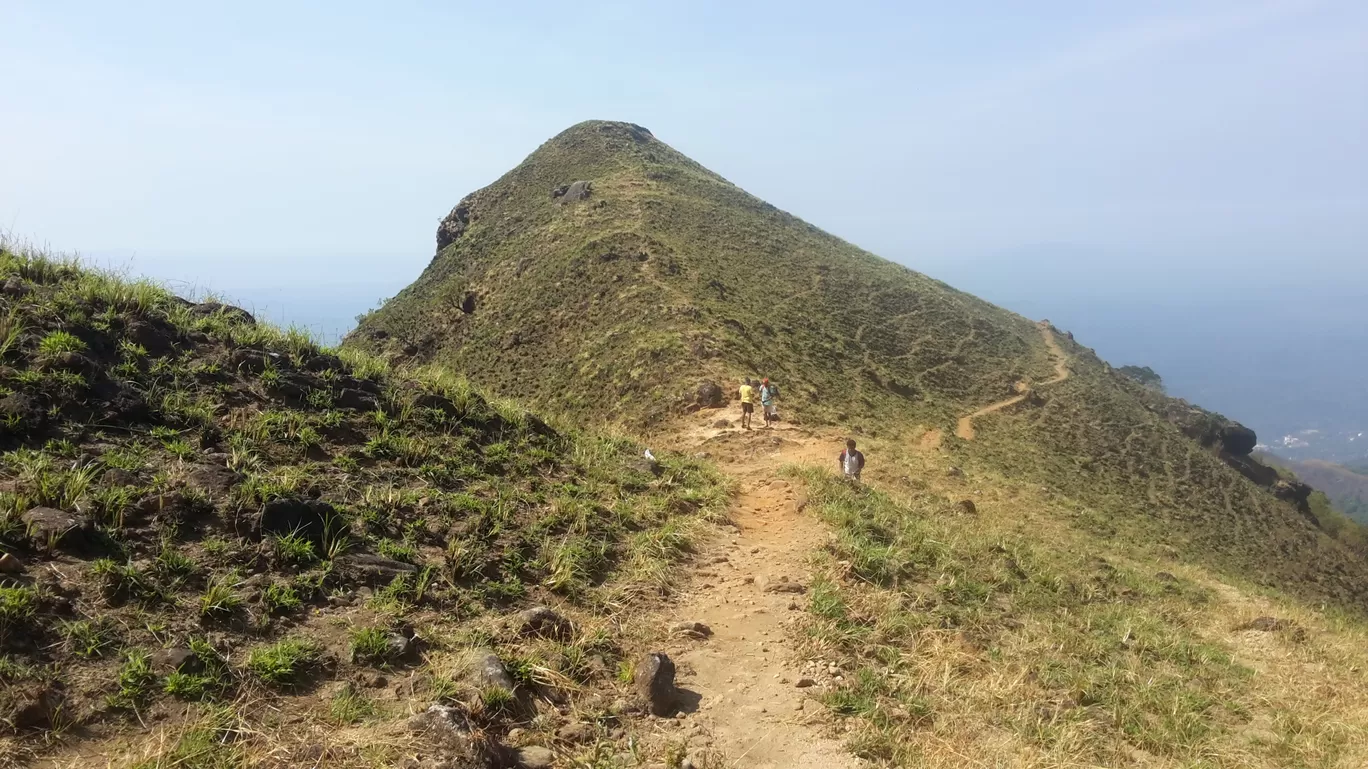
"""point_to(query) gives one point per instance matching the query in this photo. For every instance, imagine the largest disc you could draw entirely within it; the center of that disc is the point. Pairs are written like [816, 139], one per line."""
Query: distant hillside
[1346, 487]
[612, 278]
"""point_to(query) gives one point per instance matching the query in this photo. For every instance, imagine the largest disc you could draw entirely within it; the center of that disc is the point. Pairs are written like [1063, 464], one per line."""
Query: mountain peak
[610, 278]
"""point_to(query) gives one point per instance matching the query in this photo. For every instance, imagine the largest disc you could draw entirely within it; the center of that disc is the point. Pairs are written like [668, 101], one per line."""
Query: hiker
[747, 404]
[768, 394]
[851, 461]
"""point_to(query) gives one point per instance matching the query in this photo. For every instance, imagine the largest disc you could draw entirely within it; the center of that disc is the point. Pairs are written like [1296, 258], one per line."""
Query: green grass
[171, 444]
[295, 550]
[213, 679]
[285, 663]
[1107, 652]
[371, 646]
[349, 706]
[57, 343]
[282, 598]
[137, 682]
[220, 599]
[89, 638]
[18, 605]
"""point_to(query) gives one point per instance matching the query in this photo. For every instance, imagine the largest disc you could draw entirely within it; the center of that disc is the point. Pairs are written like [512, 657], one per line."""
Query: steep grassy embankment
[220, 542]
[1130, 472]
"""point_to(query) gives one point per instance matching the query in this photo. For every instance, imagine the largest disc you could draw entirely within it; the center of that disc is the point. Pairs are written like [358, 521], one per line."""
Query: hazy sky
[309, 149]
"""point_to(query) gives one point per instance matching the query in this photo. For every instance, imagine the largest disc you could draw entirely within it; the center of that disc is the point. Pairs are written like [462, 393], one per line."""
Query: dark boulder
[709, 395]
[544, 622]
[646, 465]
[309, 518]
[1296, 493]
[1252, 469]
[73, 362]
[15, 286]
[116, 476]
[654, 681]
[234, 314]
[18, 405]
[245, 359]
[318, 362]
[48, 527]
[1238, 440]
[158, 339]
[126, 407]
[437, 402]
[215, 479]
[177, 659]
[357, 400]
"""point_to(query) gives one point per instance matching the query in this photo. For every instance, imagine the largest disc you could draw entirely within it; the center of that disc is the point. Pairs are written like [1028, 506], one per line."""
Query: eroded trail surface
[750, 594]
[965, 428]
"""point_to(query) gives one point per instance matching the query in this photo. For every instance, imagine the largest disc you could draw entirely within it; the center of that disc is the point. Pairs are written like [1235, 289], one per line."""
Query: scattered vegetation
[615, 307]
[950, 627]
[212, 476]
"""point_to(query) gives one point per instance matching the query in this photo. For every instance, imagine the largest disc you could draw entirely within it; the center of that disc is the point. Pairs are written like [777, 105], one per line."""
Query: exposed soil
[746, 673]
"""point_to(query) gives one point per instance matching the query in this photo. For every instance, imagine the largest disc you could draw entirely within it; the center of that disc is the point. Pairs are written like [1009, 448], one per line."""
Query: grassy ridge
[283, 516]
[1133, 475]
[615, 306]
[1004, 638]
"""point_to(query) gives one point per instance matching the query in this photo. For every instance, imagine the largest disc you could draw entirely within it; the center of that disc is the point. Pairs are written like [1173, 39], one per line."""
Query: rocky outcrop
[228, 311]
[455, 223]
[1297, 494]
[1238, 440]
[575, 191]
[708, 395]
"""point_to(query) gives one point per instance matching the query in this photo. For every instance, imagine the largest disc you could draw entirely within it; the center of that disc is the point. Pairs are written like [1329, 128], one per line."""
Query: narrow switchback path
[965, 428]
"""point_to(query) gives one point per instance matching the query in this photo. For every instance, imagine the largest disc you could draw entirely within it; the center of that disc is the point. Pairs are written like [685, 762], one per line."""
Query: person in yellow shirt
[747, 404]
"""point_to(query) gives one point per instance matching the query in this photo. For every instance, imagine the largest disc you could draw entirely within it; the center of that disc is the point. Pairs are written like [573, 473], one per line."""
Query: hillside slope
[1346, 487]
[218, 542]
[607, 275]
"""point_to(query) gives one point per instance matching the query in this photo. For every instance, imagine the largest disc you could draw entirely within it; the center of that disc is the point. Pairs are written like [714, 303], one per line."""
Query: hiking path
[749, 592]
[965, 428]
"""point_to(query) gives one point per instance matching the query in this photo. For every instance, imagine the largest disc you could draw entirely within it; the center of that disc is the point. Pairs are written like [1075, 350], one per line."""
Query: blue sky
[299, 155]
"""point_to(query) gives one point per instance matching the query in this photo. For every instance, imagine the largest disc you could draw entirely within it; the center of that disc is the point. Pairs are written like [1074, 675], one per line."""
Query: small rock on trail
[654, 679]
[10, 564]
[691, 629]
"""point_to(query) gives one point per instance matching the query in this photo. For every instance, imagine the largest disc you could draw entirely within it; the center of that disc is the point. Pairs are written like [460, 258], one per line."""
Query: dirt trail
[746, 673]
[965, 428]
